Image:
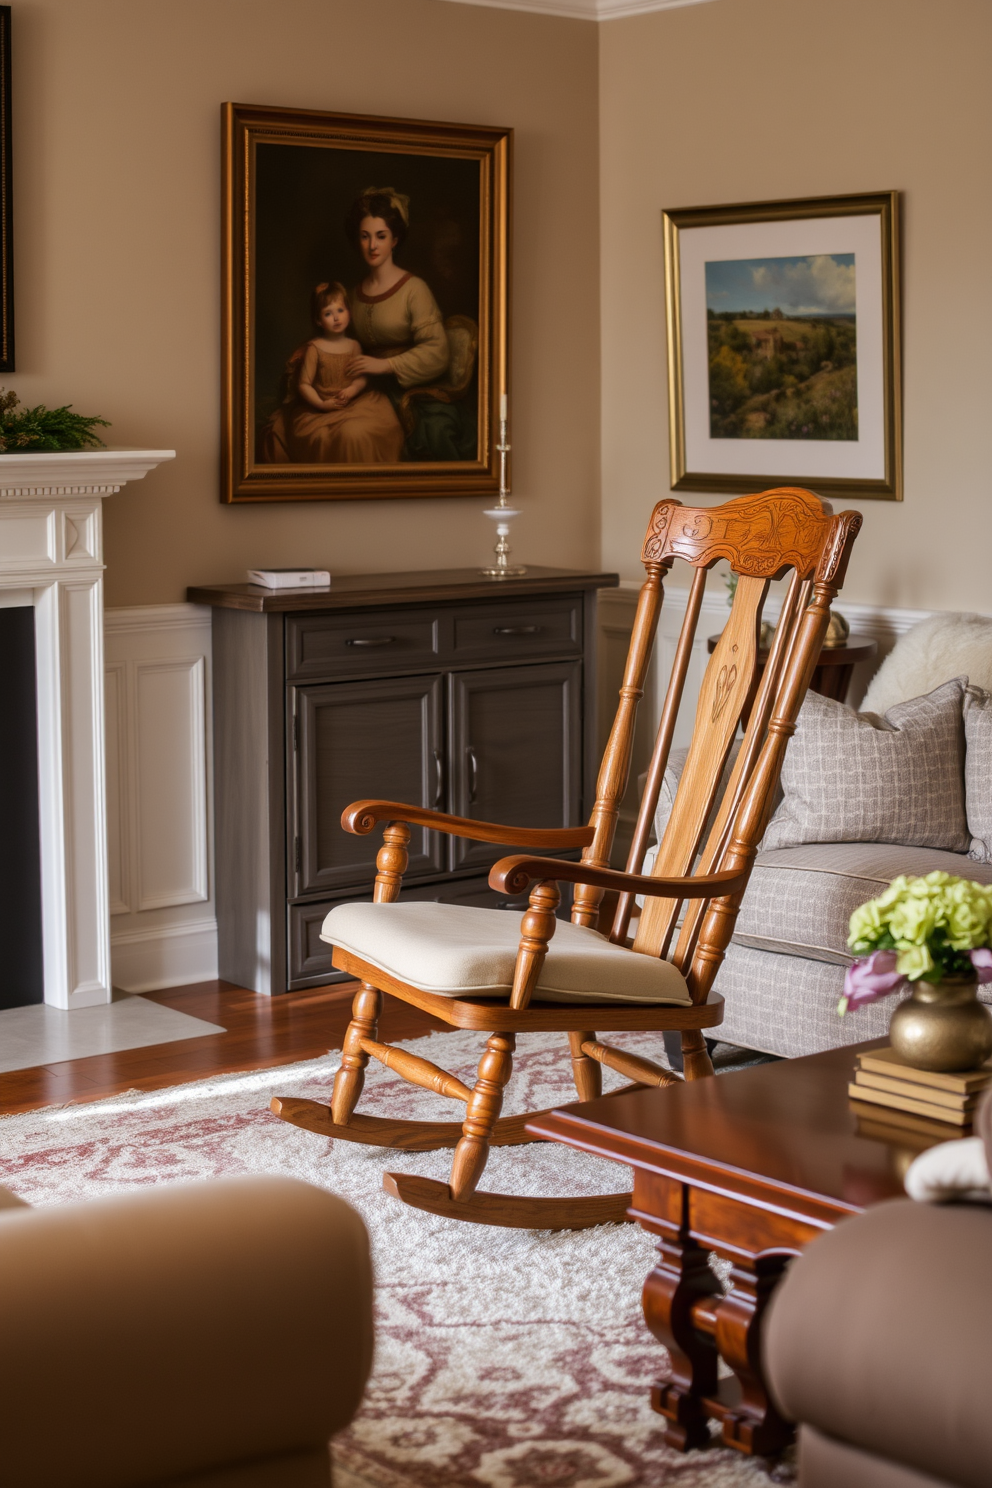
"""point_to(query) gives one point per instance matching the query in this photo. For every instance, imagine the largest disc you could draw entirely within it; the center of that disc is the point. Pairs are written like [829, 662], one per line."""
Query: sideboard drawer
[529, 629]
[335, 645]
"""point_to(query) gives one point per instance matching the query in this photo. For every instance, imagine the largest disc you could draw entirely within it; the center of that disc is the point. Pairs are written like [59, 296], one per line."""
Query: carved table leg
[753, 1424]
[683, 1278]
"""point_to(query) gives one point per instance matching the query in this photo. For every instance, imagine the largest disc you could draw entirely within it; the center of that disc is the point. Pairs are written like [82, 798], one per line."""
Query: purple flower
[872, 977]
[981, 960]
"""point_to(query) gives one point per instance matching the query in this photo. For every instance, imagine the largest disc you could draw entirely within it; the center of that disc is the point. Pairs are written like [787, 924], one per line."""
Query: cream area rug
[504, 1358]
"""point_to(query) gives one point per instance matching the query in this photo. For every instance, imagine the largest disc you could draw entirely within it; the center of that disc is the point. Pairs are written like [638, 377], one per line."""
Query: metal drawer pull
[371, 641]
[439, 779]
[473, 774]
[516, 629]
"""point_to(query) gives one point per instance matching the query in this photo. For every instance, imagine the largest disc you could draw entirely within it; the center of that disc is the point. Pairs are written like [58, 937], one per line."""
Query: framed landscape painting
[784, 346]
[365, 305]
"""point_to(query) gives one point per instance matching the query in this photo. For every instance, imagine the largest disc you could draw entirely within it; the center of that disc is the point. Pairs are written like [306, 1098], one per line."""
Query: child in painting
[330, 417]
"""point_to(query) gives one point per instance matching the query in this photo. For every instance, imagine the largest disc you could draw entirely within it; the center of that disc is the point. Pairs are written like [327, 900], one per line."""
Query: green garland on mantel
[42, 430]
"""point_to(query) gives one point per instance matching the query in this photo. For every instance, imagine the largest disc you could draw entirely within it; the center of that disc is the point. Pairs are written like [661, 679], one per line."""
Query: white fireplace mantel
[51, 557]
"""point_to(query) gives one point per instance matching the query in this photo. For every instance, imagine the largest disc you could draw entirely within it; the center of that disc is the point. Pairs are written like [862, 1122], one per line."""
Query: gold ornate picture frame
[784, 360]
[331, 390]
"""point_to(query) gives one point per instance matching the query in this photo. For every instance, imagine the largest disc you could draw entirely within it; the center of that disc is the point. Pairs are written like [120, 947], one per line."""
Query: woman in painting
[393, 313]
[329, 416]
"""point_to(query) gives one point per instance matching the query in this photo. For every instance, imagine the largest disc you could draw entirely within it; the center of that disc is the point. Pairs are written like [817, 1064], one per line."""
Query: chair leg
[673, 1048]
[483, 1108]
[588, 1074]
[696, 1061]
[350, 1078]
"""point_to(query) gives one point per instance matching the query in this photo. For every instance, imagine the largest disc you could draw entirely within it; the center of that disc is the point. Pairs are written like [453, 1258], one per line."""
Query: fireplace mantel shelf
[51, 558]
[100, 471]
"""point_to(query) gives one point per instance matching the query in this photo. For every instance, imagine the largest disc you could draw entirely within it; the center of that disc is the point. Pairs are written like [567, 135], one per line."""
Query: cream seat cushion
[455, 950]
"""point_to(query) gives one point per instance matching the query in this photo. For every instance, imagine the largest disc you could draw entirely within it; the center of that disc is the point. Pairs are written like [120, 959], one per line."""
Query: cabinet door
[355, 740]
[515, 751]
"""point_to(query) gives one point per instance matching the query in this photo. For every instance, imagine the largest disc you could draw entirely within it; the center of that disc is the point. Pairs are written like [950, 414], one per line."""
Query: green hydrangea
[931, 922]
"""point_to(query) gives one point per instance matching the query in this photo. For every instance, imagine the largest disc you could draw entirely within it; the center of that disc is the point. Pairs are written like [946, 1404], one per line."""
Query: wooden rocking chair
[474, 970]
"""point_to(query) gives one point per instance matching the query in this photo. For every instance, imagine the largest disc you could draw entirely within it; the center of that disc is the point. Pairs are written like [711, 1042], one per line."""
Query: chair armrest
[361, 816]
[512, 875]
[168, 1333]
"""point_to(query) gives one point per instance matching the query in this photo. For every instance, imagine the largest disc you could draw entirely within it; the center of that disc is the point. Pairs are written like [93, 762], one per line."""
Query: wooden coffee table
[752, 1165]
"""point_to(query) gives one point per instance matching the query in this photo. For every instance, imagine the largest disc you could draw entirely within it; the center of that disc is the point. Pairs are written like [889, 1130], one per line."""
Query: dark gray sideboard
[438, 688]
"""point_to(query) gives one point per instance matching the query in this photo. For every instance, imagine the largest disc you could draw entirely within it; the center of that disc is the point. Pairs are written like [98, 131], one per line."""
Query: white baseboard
[165, 956]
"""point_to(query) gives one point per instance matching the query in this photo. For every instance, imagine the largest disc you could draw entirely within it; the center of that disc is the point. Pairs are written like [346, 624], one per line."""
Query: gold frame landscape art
[784, 363]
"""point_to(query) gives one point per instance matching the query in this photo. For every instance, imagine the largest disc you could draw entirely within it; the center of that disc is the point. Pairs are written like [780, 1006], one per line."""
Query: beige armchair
[878, 1343]
[213, 1335]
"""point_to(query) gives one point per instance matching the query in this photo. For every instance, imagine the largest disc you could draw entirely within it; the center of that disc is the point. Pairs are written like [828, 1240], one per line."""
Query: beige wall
[746, 100]
[117, 120]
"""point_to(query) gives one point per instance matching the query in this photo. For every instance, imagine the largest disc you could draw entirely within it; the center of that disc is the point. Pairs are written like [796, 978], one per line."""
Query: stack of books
[881, 1078]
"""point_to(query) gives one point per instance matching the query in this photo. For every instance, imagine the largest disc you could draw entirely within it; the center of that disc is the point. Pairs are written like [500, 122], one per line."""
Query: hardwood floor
[259, 1032]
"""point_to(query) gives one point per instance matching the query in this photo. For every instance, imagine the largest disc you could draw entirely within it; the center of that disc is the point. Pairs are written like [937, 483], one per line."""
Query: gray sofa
[784, 970]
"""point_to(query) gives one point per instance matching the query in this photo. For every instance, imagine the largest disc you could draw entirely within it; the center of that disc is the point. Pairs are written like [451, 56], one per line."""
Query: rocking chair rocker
[474, 970]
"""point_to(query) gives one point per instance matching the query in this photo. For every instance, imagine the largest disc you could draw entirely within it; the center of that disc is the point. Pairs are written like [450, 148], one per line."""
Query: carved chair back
[782, 533]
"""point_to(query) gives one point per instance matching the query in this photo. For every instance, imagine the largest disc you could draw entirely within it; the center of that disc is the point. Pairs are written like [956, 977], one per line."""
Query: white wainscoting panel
[115, 704]
[170, 767]
[159, 791]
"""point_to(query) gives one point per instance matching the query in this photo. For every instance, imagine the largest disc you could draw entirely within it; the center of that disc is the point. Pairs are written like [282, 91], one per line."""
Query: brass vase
[942, 1026]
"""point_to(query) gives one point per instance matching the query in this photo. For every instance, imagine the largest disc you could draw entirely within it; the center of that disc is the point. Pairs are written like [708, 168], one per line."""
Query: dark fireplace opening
[21, 961]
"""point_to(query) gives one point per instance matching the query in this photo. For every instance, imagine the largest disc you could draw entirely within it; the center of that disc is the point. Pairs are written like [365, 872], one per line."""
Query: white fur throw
[932, 652]
[951, 1170]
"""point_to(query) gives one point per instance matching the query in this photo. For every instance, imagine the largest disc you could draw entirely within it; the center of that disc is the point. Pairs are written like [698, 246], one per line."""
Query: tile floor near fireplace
[38, 1035]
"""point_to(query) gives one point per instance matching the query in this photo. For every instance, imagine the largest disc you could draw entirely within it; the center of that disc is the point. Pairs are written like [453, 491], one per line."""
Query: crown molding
[584, 10]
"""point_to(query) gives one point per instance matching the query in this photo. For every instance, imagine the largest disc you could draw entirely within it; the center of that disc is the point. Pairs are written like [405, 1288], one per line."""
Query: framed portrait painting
[784, 346]
[365, 305]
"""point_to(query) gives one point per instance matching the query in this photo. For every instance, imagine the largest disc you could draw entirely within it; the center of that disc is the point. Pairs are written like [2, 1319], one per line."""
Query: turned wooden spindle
[418, 1071]
[350, 1078]
[536, 929]
[641, 1071]
[586, 1072]
[484, 1105]
[615, 768]
[391, 862]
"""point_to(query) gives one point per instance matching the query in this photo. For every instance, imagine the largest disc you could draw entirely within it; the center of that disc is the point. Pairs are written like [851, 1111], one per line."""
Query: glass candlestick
[503, 513]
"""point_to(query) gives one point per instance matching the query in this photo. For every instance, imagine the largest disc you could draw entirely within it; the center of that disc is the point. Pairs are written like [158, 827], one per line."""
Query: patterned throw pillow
[856, 777]
[978, 771]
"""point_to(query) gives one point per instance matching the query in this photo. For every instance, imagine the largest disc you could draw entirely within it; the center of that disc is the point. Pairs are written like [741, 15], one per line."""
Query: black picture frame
[6, 201]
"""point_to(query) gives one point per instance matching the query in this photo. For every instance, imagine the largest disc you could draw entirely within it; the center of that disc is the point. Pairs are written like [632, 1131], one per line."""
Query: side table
[752, 1165]
[834, 668]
